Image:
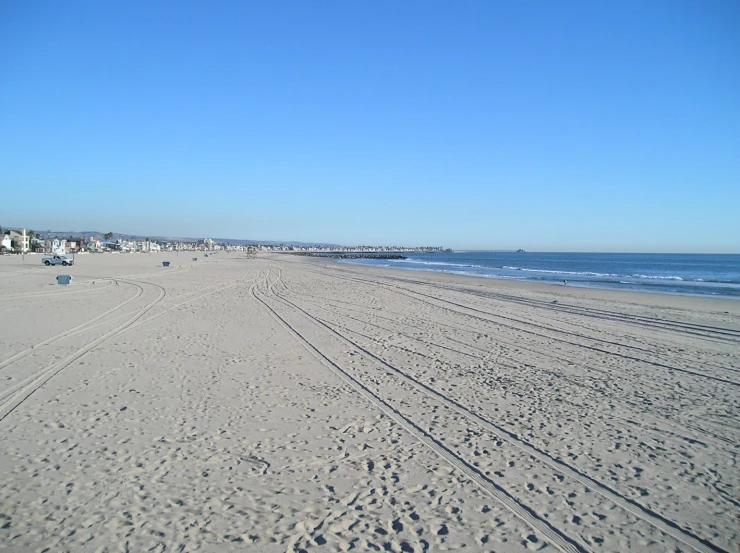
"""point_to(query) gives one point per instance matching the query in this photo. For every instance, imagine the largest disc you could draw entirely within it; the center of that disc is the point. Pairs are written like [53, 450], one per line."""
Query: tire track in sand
[8, 405]
[540, 525]
[643, 513]
[85, 328]
[66, 333]
[481, 315]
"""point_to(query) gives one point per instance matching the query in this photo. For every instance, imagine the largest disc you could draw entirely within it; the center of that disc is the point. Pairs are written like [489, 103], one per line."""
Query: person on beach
[565, 283]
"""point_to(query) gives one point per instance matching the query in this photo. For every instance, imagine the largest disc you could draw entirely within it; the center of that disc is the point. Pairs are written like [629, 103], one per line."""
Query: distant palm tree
[108, 235]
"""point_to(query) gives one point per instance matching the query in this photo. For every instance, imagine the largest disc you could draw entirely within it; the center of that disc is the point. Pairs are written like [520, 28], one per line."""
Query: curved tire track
[66, 333]
[10, 404]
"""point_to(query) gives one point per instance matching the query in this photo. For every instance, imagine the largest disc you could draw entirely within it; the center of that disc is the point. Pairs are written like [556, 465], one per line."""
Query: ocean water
[689, 274]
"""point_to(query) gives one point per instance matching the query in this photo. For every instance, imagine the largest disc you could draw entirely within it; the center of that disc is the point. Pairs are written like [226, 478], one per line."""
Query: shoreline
[600, 277]
[638, 297]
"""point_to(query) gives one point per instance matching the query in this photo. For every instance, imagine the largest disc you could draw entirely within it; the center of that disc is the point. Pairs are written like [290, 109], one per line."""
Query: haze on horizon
[569, 126]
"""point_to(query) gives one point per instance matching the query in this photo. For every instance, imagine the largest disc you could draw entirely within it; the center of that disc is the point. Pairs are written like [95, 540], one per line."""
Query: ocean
[687, 274]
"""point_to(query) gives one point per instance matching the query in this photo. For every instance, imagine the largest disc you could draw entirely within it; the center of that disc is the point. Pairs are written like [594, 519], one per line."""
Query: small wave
[440, 263]
[714, 281]
[576, 273]
[500, 277]
[686, 279]
[655, 277]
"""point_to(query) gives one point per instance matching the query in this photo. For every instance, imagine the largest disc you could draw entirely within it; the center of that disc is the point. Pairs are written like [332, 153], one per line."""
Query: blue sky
[565, 126]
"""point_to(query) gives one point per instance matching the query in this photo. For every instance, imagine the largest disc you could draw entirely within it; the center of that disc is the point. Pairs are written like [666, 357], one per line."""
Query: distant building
[19, 240]
[56, 246]
[94, 245]
[38, 245]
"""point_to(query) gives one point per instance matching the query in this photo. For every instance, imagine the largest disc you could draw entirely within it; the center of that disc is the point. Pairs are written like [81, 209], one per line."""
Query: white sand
[284, 403]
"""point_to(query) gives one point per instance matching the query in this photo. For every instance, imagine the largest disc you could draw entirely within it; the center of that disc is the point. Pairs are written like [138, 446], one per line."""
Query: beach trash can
[205, 255]
[195, 259]
[165, 263]
[64, 279]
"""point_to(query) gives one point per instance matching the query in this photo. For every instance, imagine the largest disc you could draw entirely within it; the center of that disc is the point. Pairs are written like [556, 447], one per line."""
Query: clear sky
[567, 126]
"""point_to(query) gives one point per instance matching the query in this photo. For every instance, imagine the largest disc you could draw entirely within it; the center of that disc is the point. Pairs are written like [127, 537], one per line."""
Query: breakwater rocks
[354, 255]
[368, 256]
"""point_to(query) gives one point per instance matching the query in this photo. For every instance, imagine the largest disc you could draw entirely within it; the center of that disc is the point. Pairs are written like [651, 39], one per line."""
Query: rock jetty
[353, 255]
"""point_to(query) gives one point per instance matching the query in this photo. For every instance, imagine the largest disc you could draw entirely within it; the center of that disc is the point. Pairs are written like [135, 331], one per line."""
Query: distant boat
[520, 251]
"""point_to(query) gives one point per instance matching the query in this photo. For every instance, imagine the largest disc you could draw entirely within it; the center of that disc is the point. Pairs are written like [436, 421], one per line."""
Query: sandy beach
[286, 404]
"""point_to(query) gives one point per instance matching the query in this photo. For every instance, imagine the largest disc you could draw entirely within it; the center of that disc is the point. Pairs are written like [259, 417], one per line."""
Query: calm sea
[691, 274]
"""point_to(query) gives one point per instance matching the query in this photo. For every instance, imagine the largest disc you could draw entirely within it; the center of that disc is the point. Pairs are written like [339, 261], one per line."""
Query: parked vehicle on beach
[57, 260]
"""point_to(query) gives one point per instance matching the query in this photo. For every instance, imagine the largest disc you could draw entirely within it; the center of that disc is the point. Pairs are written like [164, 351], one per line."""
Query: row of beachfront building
[20, 241]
